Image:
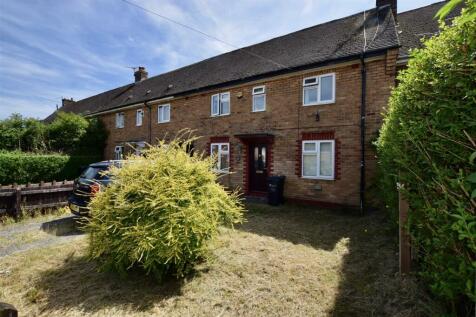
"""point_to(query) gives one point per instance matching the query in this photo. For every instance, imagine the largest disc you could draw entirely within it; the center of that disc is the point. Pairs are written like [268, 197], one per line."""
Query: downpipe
[363, 73]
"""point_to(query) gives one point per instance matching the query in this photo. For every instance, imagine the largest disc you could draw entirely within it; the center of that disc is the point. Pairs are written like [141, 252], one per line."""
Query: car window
[98, 172]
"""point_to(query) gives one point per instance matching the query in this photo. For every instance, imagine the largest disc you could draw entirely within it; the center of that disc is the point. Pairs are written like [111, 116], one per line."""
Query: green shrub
[428, 144]
[21, 168]
[160, 212]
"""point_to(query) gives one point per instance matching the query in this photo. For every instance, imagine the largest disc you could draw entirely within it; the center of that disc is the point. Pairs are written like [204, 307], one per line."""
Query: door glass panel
[263, 156]
[326, 159]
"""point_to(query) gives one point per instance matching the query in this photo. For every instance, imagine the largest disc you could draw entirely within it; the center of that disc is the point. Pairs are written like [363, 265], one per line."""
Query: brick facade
[286, 121]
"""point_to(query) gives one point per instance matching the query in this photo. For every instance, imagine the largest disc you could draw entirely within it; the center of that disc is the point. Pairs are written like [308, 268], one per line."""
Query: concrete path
[23, 237]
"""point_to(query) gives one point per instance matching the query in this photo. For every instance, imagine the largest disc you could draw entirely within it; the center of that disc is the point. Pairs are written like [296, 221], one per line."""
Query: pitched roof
[334, 40]
[414, 25]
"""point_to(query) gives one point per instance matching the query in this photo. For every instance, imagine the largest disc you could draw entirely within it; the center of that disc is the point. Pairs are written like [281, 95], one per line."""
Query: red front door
[258, 167]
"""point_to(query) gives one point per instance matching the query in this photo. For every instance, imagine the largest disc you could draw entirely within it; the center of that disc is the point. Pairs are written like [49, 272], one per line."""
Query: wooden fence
[14, 199]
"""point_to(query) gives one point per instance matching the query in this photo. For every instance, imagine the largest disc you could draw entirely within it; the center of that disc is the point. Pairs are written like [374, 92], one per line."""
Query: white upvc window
[139, 117]
[163, 113]
[220, 104]
[318, 159]
[120, 120]
[259, 98]
[319, 90]
[118, 152]
[221, 152]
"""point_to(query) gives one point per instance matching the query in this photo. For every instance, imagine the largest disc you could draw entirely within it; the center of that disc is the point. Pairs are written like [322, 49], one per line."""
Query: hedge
[21, 168]
[428, 145]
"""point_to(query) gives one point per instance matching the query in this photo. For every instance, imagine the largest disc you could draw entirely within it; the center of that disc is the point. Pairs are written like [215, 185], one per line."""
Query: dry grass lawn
[287, 261]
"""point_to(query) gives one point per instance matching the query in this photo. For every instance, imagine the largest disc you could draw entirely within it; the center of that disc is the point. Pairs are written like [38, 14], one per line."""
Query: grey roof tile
[342, 38]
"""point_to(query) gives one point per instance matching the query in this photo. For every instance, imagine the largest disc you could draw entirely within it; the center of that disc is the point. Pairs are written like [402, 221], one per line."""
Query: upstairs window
[139, 117]
[120, 120]
[318, 159]
[319, 90]
[164, 113]
[220, 104]
[221, 151]
[259, 98]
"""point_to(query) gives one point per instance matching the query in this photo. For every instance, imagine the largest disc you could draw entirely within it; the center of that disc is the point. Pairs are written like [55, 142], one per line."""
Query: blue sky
[51, 49]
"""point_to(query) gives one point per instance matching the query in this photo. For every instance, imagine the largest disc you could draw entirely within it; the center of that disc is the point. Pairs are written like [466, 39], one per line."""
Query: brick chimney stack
[393, 6]
[66, 101]
[140, 74]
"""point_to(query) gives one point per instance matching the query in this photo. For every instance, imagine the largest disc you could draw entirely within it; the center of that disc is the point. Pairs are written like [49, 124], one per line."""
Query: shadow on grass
[78, 284]
[369, 284]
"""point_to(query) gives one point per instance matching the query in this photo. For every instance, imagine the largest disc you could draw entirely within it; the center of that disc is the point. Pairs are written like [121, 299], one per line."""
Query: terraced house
[306, 105]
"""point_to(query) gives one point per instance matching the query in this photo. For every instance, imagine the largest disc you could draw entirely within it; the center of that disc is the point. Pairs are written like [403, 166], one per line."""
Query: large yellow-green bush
[160, 212]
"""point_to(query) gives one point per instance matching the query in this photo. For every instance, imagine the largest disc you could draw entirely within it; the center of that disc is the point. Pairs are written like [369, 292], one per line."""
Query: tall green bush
[19, 133]
[428, 144]
[160, 212]
[66, 131]
[21, 168]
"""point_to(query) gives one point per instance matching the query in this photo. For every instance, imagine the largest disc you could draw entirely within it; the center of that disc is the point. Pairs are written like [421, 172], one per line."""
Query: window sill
[220, 115]
[319, 103]
[319, 178]
[162, 122]
[253, 111]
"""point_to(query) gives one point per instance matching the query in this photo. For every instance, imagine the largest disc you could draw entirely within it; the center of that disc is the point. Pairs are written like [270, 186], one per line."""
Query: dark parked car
[88, 184]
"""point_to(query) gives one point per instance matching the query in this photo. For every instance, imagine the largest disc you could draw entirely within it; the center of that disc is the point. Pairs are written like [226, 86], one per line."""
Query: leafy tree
[11, 131]
[428, 144]
[66, 132]
[34, 136]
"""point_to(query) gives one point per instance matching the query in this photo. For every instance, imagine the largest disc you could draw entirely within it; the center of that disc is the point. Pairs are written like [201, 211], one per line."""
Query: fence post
[17, 202]
[405, 256]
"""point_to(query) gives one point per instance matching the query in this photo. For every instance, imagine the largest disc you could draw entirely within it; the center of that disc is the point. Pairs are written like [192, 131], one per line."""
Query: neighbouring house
[306, 105]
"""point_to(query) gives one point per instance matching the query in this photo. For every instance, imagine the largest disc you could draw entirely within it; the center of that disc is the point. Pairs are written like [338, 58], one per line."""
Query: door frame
[247, 140]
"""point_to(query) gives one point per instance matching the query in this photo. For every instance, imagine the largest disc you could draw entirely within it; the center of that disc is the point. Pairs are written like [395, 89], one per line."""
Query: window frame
[120, 123]
[141, 116]
[220, 151]
[220, 109]
[262, 93]
[167, 105]
[317, 152]
[318, 87]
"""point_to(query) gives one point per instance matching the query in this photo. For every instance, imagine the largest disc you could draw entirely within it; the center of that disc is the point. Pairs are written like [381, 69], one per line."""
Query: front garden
[286, 261]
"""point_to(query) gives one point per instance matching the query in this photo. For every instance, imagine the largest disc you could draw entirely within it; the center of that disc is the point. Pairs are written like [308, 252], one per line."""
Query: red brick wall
[288, 120]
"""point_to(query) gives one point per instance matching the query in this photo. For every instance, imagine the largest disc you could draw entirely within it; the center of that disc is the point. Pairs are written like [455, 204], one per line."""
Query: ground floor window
[318, 159]
[119, 152]
[222, 153]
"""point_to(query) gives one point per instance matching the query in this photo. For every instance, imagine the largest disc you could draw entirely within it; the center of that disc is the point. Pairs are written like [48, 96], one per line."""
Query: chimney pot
[140, 74]
[393, 6]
